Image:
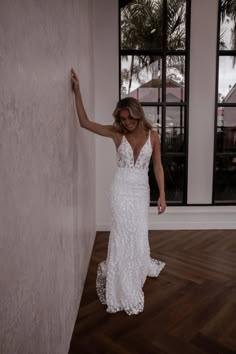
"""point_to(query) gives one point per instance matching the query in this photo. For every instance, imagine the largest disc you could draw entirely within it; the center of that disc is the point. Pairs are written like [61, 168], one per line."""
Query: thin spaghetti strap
[150, 132]
[150, 138]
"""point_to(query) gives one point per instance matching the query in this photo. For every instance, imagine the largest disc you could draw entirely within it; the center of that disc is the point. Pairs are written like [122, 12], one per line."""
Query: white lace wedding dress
[121, 277]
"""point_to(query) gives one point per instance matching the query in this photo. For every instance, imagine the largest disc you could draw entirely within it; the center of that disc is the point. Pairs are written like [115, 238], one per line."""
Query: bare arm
[159, 173]
[85, 122]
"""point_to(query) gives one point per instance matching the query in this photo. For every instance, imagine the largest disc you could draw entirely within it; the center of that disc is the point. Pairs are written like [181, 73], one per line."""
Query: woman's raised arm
[85, 122]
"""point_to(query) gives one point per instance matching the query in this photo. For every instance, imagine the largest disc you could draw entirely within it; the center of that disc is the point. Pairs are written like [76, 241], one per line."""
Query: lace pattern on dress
[125, 155]
[154, 270]
[121, 276]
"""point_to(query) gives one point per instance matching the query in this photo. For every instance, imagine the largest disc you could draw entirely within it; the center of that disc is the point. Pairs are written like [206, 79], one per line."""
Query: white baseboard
[189, 218]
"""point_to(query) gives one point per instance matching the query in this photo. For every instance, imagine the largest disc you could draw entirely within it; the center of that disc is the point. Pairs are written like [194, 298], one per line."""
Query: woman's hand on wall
[74, 80]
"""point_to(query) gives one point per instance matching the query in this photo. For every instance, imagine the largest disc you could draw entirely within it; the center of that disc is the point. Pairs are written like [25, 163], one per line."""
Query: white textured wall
[201, 119]
[106, 70]
[47, 211]
[202, 100]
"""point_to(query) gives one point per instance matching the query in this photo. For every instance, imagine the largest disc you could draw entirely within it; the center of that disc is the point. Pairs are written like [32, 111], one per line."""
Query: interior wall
[201, 120]
[202, 100]
[47, 174]
[106, 75]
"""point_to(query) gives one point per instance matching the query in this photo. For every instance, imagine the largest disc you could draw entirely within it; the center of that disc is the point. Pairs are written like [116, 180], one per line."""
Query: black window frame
[163, 53]
[220, 53]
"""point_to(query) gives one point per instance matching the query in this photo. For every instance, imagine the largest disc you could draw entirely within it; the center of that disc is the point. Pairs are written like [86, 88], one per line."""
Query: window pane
[227, 26]
[176, 26]
[174, 170]
[154, 114]
[225, 179]
[226, 129]
[142, 25]
[141, 77]
[227, 80]
[149, 29]
[175, 78]
[174, 138]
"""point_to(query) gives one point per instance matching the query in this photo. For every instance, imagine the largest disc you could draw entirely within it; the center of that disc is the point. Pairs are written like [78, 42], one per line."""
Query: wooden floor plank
[189, 309]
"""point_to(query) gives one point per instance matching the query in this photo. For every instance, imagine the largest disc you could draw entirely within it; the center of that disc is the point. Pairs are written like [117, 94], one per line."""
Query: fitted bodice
[125, 155]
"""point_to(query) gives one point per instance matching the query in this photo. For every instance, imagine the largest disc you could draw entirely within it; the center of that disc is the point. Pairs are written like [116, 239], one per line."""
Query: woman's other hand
[161, 205]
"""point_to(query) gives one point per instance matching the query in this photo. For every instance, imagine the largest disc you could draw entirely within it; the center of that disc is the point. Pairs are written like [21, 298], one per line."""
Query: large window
[154, 68]
[224, 184]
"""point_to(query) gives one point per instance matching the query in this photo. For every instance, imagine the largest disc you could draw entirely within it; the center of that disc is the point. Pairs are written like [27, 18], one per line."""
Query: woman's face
[128, 122]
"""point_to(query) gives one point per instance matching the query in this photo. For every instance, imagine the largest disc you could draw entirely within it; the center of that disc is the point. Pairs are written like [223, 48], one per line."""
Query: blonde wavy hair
[135, 110]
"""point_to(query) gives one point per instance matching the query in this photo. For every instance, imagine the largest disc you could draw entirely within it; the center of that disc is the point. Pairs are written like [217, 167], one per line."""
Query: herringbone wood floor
[189, 309]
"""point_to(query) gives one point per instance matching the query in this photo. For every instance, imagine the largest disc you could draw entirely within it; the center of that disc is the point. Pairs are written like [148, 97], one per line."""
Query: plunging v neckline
[139, 150]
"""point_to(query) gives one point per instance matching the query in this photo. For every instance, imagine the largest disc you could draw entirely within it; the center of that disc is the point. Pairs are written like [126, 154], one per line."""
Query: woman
[121, 277]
